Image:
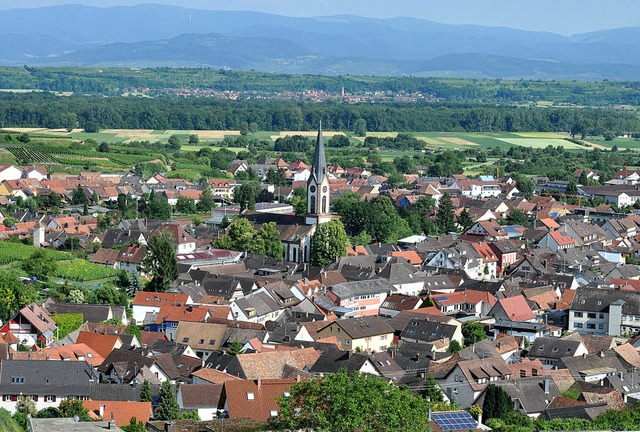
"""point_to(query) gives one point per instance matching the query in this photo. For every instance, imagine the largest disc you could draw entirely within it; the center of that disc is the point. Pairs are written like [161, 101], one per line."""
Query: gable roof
[361, 327]
[101, 343]
[40, 377]
[199, 335]
[270, 364]
[516, 308]
[120, 411]
[255, 399]
[145, 298]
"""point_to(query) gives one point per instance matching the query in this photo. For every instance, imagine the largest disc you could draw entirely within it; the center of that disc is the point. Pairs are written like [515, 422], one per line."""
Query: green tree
[134, 284]
[145, 392]
[134, 426]
[39, 265]
[245, 195]
[174, 142]
[158, 208]
[360, 127]
[160, 261]
[268, 240]
[328, 243]
[235, 347]
[497, 403]
[473, 332]
[346, 402]
[194, 139]
[454, 347]
[9, 222]
[73, 408]
[572, 188]
[239, 236]
[464, 220]
[79, 197]
[25, 408]
[445, 215]
[517, 217]
[103, 147]
[168, 408]
[432, 391]
[185, 205]
[206, 202]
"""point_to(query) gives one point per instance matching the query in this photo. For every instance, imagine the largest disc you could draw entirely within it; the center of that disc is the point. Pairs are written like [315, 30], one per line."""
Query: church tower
[318, 192]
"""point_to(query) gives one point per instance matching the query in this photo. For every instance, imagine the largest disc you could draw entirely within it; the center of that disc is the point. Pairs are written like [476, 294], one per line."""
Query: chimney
[479, 419]
[169, 427]
[546, 386]
[429, 413]
[259, 382]
[102, 411]
[621, 375]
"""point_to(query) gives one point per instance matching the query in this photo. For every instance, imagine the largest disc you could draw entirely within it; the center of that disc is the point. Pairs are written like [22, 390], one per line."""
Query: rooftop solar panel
[453, 421]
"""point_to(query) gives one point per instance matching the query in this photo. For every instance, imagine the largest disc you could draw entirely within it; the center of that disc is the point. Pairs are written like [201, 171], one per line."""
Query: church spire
[319, 163]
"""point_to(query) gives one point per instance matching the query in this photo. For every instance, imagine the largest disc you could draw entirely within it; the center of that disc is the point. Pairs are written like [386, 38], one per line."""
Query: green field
[542, 143]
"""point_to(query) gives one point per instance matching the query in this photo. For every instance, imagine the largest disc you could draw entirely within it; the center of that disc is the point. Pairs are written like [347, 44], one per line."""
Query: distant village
[541, 309]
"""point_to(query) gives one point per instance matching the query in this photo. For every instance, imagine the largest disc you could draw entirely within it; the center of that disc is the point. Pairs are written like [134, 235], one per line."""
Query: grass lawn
[542, 143]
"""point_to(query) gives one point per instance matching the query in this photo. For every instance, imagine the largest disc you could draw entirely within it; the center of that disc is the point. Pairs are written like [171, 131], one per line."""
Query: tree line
[93, 113]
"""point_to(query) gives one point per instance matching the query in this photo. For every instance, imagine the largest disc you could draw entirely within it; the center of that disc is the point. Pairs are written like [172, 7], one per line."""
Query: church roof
[319, 163]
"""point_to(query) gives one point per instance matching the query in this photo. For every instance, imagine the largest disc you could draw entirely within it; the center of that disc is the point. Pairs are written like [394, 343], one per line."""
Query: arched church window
[312, 207]
[324, 204]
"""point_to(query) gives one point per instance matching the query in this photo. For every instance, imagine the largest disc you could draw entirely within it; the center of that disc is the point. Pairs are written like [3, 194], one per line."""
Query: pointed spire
[319, 164]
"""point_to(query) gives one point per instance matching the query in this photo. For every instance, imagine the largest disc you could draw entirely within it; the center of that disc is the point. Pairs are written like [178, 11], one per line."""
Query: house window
[49, 398]
[212, 342]
[601, 316]
[591, 315]
[17, 380]
[383, 337]
[591, 326]
[577, 314]
[274, 413]
[251, 396]
[601, 326]
[347, 342]
[201, 341]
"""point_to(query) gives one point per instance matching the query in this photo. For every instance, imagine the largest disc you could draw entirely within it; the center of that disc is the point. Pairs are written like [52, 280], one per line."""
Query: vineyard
[30, 155]
[83, 271]
[12, 252]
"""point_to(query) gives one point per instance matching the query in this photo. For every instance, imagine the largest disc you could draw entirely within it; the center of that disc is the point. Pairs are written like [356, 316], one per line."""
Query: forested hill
[49, 111]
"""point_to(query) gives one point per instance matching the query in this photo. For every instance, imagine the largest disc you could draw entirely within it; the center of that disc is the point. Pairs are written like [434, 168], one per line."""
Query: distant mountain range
[156, 35]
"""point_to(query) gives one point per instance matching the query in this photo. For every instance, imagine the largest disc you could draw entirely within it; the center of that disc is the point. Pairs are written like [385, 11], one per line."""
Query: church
[296, 231]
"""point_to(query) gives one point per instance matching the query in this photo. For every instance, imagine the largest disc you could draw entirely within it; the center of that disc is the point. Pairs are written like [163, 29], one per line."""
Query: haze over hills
[157, 35]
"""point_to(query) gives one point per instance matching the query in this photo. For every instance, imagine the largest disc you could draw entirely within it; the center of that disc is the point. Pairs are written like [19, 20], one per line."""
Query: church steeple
[319, 163]
[318, 192]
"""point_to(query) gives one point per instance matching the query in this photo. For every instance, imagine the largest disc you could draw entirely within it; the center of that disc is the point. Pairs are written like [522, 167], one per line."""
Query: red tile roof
[411, 256]
[120, 411]
[182, 313]
[145, 298]
[562, 238]
[255, 399]
[517, 308]
[101, 343]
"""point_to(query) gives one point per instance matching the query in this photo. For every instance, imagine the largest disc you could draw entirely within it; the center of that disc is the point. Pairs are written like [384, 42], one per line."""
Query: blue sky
[559, 16]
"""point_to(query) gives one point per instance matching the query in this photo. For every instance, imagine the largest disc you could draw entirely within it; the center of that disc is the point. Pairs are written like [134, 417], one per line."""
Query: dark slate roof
[597, 300]
[427, 331]
[39, 377]
[411, 356]
[553, 348]
[117, 392]
[530, 392]
[332, 360]
[261, 302]
[367, 326]
[607, 359]
[219, 361]
[291, 228]
[373, 286]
